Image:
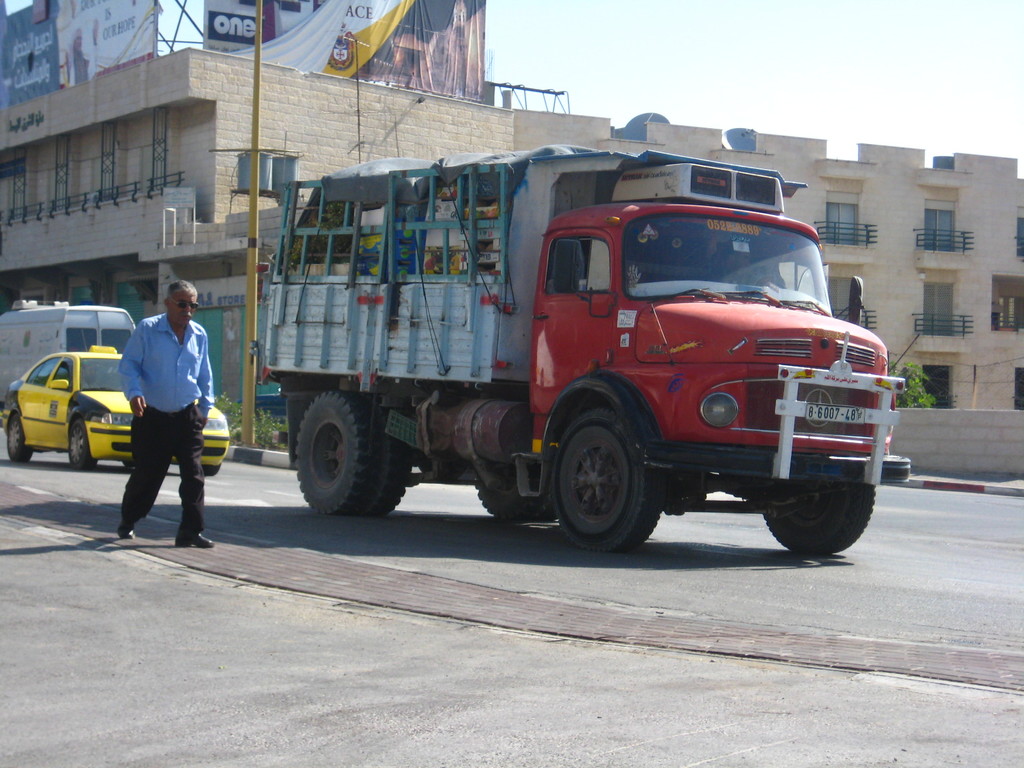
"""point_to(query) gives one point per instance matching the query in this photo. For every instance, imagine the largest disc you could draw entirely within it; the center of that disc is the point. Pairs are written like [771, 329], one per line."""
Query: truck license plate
[847, 414]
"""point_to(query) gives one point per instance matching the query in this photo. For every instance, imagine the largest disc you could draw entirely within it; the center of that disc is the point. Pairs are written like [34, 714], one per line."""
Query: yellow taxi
[72, 401]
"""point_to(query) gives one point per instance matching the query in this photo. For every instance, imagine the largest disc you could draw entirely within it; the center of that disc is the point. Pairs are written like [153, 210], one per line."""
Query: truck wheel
[79, 455]
[336, 472]
[825, 525]
[394, 460]
[16, 448]
[606, 502]
[506, 504]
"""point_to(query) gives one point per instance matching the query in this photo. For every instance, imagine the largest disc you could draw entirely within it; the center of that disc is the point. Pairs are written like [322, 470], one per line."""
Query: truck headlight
[719, 409]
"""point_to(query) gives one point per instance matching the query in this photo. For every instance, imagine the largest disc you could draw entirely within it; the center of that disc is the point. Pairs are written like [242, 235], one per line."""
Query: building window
[841, 223]
[1020, 237]
[1018, 389]
[940, 233]
[61, 171]
[158, 168]
[108, 162]
[938, 384]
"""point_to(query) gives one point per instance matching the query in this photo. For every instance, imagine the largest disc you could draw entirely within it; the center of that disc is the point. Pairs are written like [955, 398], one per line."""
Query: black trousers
[157, 437]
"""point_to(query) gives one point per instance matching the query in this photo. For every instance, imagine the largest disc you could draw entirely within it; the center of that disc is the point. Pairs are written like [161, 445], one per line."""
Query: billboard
[435, 46]
[67, 42]
[231, 24]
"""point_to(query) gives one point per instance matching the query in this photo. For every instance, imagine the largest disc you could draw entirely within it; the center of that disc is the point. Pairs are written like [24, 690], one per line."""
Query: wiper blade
[758, 295]
[703, 292]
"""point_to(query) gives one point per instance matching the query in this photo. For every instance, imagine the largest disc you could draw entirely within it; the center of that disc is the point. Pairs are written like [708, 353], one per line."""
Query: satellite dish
[636, 129]
[740, 139]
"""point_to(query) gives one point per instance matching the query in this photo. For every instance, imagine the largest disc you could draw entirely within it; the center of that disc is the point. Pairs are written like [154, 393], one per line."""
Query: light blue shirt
[171, 376]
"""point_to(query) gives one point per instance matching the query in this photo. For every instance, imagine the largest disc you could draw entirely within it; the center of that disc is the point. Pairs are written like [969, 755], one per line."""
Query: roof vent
[740, 139]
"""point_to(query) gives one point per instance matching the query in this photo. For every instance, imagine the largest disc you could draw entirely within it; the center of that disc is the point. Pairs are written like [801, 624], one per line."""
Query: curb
[258, 457]
[964, 487]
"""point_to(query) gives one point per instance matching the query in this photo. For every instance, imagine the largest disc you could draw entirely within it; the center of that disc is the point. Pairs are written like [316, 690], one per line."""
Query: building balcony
[944, 240]
[943, 325]
[837, 233]
[867, 317]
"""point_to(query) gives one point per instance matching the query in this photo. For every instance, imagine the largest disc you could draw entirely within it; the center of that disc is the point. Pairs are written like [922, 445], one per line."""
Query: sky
[945, 77]
[938, 75]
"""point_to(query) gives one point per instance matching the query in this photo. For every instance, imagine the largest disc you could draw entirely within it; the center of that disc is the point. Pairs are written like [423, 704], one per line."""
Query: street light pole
[250, 358]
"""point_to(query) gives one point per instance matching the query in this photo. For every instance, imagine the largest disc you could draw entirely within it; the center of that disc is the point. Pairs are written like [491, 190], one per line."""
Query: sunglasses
[187, 305]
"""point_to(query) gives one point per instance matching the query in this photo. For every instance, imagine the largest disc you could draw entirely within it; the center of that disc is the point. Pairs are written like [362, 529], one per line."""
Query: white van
[32, 329]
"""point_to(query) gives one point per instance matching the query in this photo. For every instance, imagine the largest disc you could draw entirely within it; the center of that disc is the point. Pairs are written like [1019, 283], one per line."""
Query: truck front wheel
[606, 502]
[335, 464]
[826, 524]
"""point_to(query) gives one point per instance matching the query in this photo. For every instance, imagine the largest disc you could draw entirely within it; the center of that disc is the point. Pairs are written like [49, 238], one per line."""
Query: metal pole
[249, 358]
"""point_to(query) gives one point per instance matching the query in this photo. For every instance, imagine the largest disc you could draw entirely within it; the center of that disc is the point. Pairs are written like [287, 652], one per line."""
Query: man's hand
[138, 404]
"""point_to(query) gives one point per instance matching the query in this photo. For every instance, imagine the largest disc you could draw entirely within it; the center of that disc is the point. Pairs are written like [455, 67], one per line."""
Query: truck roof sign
[701, 183]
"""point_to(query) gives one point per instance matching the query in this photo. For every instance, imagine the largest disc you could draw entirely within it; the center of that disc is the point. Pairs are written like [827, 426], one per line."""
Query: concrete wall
[961, 441]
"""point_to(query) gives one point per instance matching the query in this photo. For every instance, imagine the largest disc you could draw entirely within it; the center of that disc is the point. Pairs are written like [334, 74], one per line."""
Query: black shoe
[125, 532]
[193, 540]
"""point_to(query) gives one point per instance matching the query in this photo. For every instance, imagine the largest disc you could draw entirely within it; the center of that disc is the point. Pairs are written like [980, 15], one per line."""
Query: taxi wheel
[16, 448]
[209, 470]
[79, 454]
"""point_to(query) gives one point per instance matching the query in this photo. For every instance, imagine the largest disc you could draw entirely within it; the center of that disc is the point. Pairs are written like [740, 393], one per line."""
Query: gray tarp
[368, 182]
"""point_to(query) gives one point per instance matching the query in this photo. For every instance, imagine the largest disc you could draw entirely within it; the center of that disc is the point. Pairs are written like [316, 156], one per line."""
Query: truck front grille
[783, 348]
[759, 412]
[857, 355]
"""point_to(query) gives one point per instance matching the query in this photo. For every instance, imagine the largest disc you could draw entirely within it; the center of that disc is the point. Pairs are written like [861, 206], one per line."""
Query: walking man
[165, 374]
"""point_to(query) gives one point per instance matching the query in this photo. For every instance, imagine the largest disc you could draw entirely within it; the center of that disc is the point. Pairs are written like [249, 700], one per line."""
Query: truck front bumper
[753, 462]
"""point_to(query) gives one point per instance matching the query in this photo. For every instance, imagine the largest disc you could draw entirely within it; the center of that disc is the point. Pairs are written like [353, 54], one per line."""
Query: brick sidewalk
[341, 578]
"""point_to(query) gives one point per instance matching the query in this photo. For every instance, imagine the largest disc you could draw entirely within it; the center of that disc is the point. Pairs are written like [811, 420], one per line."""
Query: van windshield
[668, 254]
[116, 338]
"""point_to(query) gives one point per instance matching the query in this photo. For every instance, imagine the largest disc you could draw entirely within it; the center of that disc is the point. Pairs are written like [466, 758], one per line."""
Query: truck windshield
[668, 254]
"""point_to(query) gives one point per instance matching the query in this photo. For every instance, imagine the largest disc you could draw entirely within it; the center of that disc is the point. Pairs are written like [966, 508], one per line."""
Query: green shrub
[914, 394]
[264, 428]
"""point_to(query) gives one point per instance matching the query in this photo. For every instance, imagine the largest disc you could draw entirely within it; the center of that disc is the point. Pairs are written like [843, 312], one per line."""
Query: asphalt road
[933, 566]
[141, 662]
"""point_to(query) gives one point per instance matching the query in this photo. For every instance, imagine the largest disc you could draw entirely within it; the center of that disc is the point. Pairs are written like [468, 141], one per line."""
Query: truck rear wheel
[393, 458]
[606, 501]
[335, 465]
[506, 504]
[827, 524]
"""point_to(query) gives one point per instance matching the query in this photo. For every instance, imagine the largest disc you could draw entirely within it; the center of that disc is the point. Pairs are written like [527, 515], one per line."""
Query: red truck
[588, 336]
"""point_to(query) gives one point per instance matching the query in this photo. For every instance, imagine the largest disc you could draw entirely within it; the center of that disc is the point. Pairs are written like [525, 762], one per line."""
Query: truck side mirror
[856, 301]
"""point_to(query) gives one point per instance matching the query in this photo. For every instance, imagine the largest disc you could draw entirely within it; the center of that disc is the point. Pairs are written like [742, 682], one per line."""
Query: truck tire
[606, 501]
[825, 525]
[336, 470]
[17, 451]
[394, 460]
[79, 455]
[507, 505]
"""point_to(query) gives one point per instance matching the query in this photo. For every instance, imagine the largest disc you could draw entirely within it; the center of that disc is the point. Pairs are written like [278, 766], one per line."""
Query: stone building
[96, 184]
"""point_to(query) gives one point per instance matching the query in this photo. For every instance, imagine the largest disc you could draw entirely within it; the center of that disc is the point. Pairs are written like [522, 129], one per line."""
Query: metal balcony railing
[69, 204]
[943, 325]
[948, 240]
[867, 317]
[838, 233]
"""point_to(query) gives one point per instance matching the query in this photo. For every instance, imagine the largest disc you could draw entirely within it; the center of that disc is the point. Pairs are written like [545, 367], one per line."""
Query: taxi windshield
[666, 255]
[100, 374]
